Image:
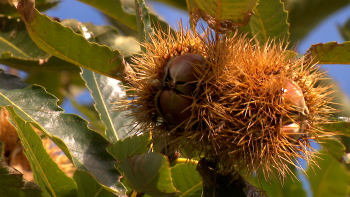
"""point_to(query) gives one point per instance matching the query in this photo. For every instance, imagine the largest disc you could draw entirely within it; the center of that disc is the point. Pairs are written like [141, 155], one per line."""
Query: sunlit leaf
[62, 42]
[47, 174]
[269, 21]
[187, 180]
[331, 179]
[13, 184]
[331, 53]
[88, 186]
[84, 147]
[148, 173]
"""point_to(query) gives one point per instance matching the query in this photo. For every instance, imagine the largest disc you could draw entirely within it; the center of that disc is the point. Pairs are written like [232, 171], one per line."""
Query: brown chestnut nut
[180, 84]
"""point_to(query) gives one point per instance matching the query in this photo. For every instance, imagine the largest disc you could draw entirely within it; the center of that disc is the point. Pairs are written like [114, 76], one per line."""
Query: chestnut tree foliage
[63, 56]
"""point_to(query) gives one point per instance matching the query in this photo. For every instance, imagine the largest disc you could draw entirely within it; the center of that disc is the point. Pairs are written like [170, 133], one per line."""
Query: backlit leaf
[222, 15]
[187, 180]
[331, 53]
[269, 21]
[333, 147]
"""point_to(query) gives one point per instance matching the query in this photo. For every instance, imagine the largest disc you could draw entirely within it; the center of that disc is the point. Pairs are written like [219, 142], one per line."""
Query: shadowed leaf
[106, 35]
[47, 174]
[148, 173]
[52, 64]
[115, 9]
[345, 30]
[84, 147]
[16, 43]
[291, 186]
[7, 9]
[215, 184]
[305, 15]
[13, 184]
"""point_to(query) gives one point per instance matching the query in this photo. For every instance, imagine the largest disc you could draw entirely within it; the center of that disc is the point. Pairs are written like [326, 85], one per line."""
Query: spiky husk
[239, 107]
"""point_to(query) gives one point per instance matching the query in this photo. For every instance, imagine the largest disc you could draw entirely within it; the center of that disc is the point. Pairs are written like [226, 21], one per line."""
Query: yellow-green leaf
[62, 42]
[330, 53]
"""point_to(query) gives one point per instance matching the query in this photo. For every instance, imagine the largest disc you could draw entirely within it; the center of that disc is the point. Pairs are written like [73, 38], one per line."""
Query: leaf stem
[183, 160]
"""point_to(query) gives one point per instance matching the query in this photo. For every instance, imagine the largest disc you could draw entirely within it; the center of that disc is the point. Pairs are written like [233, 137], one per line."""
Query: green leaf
[143, 21]
[305, 15]
[109, 36]
[345, 30]
[223, 15]
[88, 186]
[15, 41]
[114, 8]
[6, 9]
[333, 147]
[330, 53]
[105, 91]
[148, 173]
[331, 179]
[342, 128]
[187, 180]
[62, 42]
[215, 184]
[30, 66]
[130, 146]
[270, 21]
[46, 172]
[106, 35]
[291, 187]
[84, 147]
[13, 184]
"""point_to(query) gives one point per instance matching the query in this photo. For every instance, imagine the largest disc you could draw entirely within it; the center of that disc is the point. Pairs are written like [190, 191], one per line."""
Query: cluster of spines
[236, 120]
